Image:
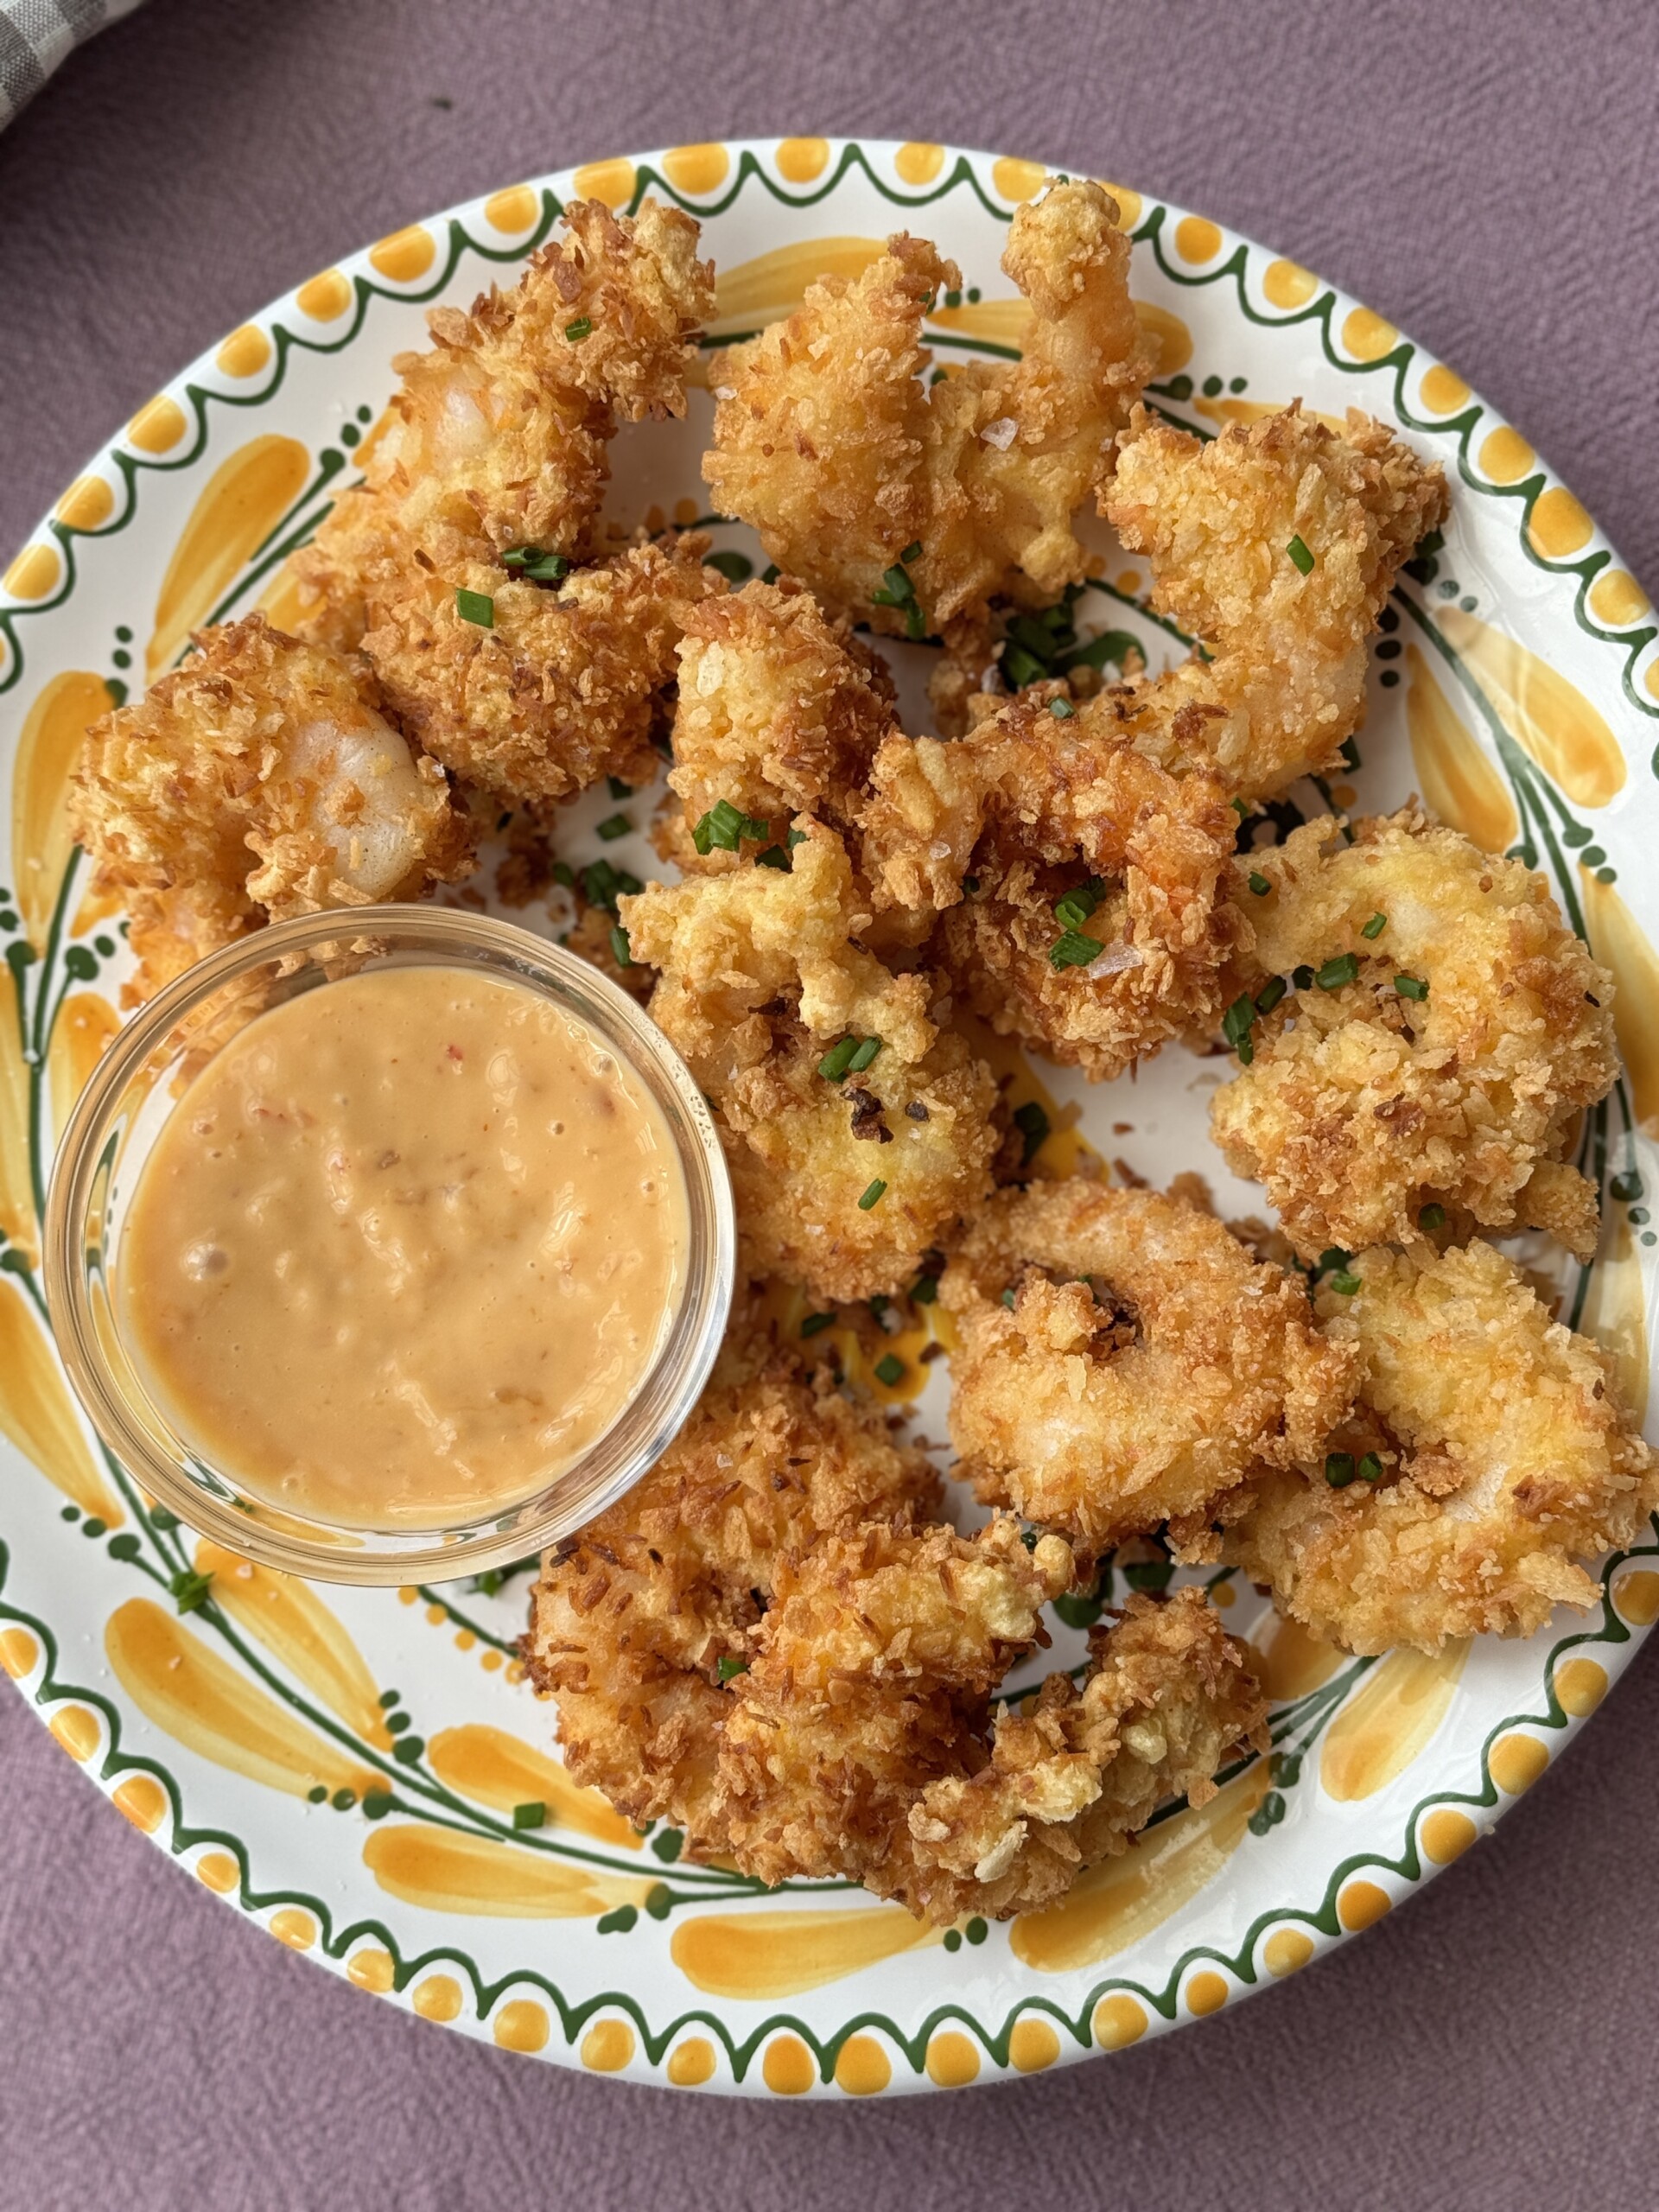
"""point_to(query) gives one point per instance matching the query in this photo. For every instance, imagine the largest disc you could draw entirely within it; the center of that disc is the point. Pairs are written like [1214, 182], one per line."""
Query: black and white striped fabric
[36, 34]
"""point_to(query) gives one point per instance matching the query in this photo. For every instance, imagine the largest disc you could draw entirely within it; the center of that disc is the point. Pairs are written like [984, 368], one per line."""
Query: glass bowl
[118, 1117]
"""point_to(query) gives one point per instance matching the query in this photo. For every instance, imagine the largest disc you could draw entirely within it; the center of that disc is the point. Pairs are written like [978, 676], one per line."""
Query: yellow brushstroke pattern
[1615, 1311]
[1618, 941]
[1065, 1152]
[1252, 410]
[774, 284]
[282, 601]
[1291, 1661]
[1388, 1720]
[763, 1954]
[1550, 718]
[501, 1770]
[36, 1414]
[1118, 1902]
[1453, 774]
[246, 497]
[17, 1191]
[289, 1618]
[788, 1307]
[48, 751]
[993, 322]
[446, 1871]
[183, 1686]
[85, 1024]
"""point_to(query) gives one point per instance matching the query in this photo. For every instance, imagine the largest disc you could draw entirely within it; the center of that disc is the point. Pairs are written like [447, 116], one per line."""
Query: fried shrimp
[632, 1618]
[1445, 1030]
[1039, 836]
[1277, 545]
[1124, 1362]
[260, 780]
[847, 1163]
[1487, 1459]
[499, 433]
[1167, 1699]
[829, 443]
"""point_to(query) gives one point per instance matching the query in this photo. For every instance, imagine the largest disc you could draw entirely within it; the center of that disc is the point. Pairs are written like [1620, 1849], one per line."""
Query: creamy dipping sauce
[405, 1250]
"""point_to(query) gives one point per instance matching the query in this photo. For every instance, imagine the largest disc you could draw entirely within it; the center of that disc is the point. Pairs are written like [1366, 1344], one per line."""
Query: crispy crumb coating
[759, 975]
[829, 443]
[1508, 1463]
[1146, 1367]
[780, 713]
[1361, 1106]
[499, 433]
[630, 1618]
[1027, 808]
[1167, 1699]
[1285, 685]
[259, 781]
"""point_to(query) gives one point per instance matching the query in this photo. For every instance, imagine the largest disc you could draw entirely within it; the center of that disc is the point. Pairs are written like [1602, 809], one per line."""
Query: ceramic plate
[346, 1768]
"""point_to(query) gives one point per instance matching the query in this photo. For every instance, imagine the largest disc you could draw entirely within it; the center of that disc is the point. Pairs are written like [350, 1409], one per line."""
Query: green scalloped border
[1162, 2005]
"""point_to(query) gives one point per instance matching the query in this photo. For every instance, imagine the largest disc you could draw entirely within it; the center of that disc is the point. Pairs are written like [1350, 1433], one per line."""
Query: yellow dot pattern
[1118, 2022]
[142, 1800]
[1504, 455]
[691, 2063]
[515, 209]
[1366, 335]
[952, 2059]
[87, 505]
[1197, 239]
[295, 1928]
[20, 1654]
[158, 426]
[862, 2066]
[1018, 181]
[523, 2026]
[244, 352]
[324, 297]
[697, 169]
[1443, 391]
[1559, 525]
[406, 256]
[1361, 1905]
[1206, 1992]
[918, 163]
[371, 1969]
[800, 160]
[76, 1730]
[1287, 1950]
[610, 182]
[34, 573]
[787, 2068]
[1581, 1685]
[1517, 1762]
[1287, 284]
[1636, 1597]
[1032, 2046]
[218, 1872]
[1129, 204]
[607, 2046]
[437, 1998]
[1447, 1834]
[1617, 600]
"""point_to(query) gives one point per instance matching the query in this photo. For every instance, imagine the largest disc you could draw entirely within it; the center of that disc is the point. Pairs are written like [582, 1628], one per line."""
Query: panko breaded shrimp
[828, 442]
[1124, 1362]
[499, 432]
[632, 1619]
[1446, 1031]
[1277, 545]
[780, 712]
[1489, 1460]
[1167, 1699]
[848, 1163]
[259, 781]
[1069, 838]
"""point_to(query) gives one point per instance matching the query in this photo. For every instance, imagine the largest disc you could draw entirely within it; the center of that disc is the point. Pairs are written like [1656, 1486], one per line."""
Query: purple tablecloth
[1483, 172]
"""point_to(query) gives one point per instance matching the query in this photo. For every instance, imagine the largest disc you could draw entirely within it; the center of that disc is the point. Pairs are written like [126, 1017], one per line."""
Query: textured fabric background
[1485, 174]
[37, 36]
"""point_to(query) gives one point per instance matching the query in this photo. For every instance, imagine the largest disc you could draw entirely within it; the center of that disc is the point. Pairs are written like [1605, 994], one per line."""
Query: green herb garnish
[1375, 926]
[617, 788]
[1270, 994]
[1074, 908]
[1302, 977]
[890, 1370]
[816, 1322]
[620, 950]
[1061, 709]
[1345, 969]
[1235, 1025]
[912, 551]
[1008, 1299]
[729, 1670]
[836, 1061]
[190, 1589]
[534, 567]
[1022, 667]
[865, 1056]
[1074, 951]
[925, 1289]
[1344, 1282]
[1299, 554]
[1338, 1469]
[613, 827]
[774, 856]
[581, 329]
[1370, 1468]
[1259, 883]
[874, 1196]
[1033, 1125]
[1411, 987]
[1432, 1218]
[727, 826]
[476, 607]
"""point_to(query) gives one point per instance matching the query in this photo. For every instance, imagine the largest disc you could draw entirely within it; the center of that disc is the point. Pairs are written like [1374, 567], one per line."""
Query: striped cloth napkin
[36, 34]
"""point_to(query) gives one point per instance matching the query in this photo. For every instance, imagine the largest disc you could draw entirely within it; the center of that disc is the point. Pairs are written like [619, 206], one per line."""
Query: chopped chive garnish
[1370, 1468]
[897, 580]
[1073, 909]
[1375, 926]
[1259, 883]
[581, 329]
[620, 951]
[1338, 1469]
[890, 1370]
[925, 1289]
[815, 1322]
[617, 788]
[796, 837]
[1074, 951]
[1332, 1257]
[1008, 1299]
[190, 1589]
[1022, 667]
[531, 1815]
[1302, 977]
[564, 874]
[1345, 1283]
[1270, 994]
[613, 826]
[1033, 1125]
[836, 1061]
[1299, 554]
[729, 1670]
[1335, 973]
[864, 1056]
[727, 826]
[971, 885]
[1236, 1026]
[880, 1304]
[774, 856]
[912, 551]
[476, 607]
[1241, 810]
[1432, 1218]
[872, 1196]
[538, 568]
[1061, 709]
[1411, 987]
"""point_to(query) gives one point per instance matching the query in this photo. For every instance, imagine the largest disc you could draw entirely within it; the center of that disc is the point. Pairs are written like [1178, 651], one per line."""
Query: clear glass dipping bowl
[119, 1115]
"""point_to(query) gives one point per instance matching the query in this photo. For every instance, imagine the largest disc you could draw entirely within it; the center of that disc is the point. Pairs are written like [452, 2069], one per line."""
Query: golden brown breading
[630, 1618]
[498, 435]
[870, 1678]
[1030, 808]
[780, 713]
[1284, 683]
[1361, 1106]
[1145, 1369]
[260, 780]
[828, 442]
[1168, 1698]
[1505, 1459]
